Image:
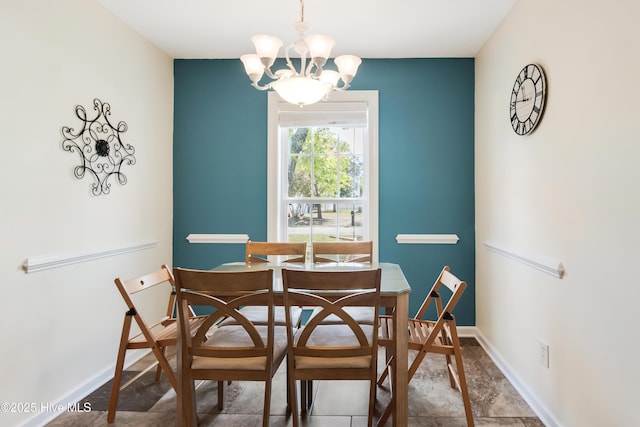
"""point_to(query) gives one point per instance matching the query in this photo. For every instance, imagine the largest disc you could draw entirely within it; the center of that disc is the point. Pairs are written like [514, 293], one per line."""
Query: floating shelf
[218, 238]
[427, 239]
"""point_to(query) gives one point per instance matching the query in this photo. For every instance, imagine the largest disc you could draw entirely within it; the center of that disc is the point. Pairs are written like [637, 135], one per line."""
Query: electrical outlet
[543, 354]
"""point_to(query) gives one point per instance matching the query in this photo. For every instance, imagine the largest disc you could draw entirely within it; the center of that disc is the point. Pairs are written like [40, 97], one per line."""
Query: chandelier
[311, 82]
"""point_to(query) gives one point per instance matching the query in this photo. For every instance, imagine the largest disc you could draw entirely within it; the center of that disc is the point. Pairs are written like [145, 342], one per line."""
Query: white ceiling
[366, 28]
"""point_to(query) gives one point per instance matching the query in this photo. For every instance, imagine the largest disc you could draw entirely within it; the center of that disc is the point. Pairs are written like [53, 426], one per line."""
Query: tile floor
[432, 403]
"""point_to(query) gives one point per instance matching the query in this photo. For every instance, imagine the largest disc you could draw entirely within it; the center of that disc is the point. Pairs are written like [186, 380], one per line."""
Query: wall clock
[527, 99]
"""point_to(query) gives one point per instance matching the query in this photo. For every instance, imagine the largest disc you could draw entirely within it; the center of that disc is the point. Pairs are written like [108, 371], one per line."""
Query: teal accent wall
[426, 145]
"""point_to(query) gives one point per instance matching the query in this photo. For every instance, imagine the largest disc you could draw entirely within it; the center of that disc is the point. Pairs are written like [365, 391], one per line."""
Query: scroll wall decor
[100, 146]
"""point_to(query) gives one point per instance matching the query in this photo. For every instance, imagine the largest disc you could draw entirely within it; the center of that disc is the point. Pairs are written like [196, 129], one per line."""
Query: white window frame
[275, 158]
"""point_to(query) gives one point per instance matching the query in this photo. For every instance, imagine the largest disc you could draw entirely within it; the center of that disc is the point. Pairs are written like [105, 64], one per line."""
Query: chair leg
[266, 411]
[385, 372]
[159, 368]
[386, 414]
[293, 398]
[117, 376]
[309, 394]
[372, 402]
[164, 364]
[462, 380]
[186, 402]
[387, 411]
[304, 399]
[220, 395]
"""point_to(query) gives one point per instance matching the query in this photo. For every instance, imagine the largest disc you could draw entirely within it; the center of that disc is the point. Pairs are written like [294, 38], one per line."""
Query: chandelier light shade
[311, 82]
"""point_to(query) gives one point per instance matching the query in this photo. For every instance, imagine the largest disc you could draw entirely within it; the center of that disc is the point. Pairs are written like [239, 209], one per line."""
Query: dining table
[394, 298]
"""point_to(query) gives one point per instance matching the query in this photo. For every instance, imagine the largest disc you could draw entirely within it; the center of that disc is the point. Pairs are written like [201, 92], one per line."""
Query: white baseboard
[83, 391]
[524, 391]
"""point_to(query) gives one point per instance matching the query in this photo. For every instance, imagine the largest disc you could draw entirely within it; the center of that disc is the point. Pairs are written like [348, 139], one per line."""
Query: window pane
[325, 222]
[299, 222]
[353, 139]
[299, 176]
[326, 177]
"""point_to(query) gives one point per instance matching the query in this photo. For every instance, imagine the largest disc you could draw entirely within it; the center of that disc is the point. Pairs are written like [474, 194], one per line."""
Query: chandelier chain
[301, 10]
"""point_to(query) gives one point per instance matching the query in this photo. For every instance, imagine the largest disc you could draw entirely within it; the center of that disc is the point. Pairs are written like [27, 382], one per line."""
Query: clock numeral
[529, 125]
[520, 128]
[536, 109]
[534, 115]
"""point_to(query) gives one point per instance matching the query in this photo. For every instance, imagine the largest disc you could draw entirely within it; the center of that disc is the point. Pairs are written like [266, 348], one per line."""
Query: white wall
[60, 327]
[568, 192]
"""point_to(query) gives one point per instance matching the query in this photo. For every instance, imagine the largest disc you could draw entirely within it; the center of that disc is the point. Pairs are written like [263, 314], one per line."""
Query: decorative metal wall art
[99, 144]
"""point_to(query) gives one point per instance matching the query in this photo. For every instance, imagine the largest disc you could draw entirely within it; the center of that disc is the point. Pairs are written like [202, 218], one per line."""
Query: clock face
[527, 99]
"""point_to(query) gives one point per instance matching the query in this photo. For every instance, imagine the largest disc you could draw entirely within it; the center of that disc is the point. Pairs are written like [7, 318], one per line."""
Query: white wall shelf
[218, 238]
[547, 265]
[46, 262]
[427, 239]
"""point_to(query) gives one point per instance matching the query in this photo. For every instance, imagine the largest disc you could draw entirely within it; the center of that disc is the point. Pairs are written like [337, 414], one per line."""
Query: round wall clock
[527, 99]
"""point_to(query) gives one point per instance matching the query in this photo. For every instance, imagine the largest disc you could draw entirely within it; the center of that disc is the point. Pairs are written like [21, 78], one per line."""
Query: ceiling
[365, 28]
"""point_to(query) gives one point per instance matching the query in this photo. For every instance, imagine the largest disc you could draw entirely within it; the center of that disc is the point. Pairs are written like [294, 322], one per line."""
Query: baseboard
[524, 391]
[83, 391]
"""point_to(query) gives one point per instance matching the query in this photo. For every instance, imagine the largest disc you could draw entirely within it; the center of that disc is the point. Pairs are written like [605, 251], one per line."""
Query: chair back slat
[343, 251]
[256, 252]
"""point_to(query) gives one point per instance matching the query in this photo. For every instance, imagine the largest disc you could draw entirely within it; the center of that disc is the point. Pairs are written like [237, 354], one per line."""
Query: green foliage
[322, 166]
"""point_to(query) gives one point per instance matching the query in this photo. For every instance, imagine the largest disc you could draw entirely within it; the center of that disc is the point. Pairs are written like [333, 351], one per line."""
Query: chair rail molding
[46, 262]
[546, 265]
[218, 238]
[427, 239]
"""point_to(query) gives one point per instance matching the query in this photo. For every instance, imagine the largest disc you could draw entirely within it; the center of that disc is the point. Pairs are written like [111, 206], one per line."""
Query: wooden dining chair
[258, 315]
[343, 251]
[438, 335]
[336, 351]
[240, 352]
[156, 336]
[347, 252]
[259, 251]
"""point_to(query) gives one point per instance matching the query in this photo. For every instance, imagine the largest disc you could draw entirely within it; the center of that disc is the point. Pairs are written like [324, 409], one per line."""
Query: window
[323, 169]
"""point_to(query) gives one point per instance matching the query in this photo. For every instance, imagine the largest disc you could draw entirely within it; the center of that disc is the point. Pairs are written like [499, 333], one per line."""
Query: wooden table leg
[400, 363]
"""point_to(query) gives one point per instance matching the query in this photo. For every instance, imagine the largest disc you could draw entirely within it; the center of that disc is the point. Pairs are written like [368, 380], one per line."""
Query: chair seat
[334, 335]
[419, 332]
[168, 335]
[258, 316]
[236, 336]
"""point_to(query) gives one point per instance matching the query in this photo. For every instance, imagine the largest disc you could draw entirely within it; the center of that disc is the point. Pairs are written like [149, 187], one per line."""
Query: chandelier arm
[344, 86]
[290, 64]
[269, 73]
[265, 87]
[308, 72]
